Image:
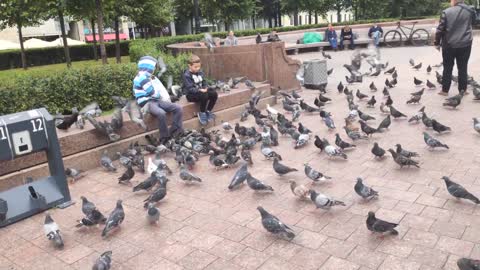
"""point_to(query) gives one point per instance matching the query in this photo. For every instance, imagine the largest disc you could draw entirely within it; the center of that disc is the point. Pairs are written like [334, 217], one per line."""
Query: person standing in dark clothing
[347, 34]
[454, 37]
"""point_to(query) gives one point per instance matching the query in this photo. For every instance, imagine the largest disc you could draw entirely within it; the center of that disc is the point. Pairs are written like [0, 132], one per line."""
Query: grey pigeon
[93, 218]
[333, 151]
[323, 201]
[147, 184]
[135, 113]
[104, 262]
[404, 152]
[385, 124]
[432, 142]
[403, 160]
[187, 176]
[454, 101]
[107, 163]
[53, 232]
[458, 191]
[157, 195]
[74, 174]
[256, 184]
[246, 155]
[417, 67]
[396, 113]
[269, 153]
[438, 127]
[153, 214]
[426, 120]
[315, 175]
[126, 176]
[364, 191]
[328, 120]
[366, 128]
[377, 151]
[476, 124]
[226, 126]
[468, 264]
[417, 82]
[431, 85]
[273, 225]
[343, 144]
[380, 226]
[281, 169]
[87, 206]
[415, 99]
[239, 177]
[302, 140]
[115, 219]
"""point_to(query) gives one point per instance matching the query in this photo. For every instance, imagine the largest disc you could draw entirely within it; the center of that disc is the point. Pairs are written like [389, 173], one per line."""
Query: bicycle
[417, 37]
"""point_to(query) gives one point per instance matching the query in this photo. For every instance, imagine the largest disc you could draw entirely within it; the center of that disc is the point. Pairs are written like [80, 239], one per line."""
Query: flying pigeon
[432, 142]
[115, 219]
[53, 232]
[323, 201]
[380, 226]
[104, 262]
[364, 191]
[273, 225]
[458, 191]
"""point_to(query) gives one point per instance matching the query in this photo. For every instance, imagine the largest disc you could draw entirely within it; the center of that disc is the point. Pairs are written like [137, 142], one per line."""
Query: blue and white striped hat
[147, 63]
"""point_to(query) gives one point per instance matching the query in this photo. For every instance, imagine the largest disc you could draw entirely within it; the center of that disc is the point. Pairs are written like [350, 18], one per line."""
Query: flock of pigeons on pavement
[235, 151]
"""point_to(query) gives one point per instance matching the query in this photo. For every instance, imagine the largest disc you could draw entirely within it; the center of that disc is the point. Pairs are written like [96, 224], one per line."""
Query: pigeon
[417, 67]
[476, 93]
[340, 87]
[373, 88]
[107, 163]
[468, 264]
[371, 102]
[324, 99]
[389, 101]
[385, 124]
[415, 99]
[273, 225]
[403, 160]
[327, 56]
[115, 219]
[360, 95]
[268, 153]
[319, 143]
[412, 62]
[384, 109]
[432, 142]
[376, 73]
[395, 76]
[333, 151]
[323, 201]
[377, 151]
[385, 92]
[394, 82]
[390, 71]
[380, 226]
[453, 101]
[302, 140]
[430, 85]
[187, 176]
[396, 113]
[458, 191]
[404, 152]
[226, 126]
[68, 120]
[104, 262]
[135, 113]
[153, 214]
[74, 174]
[257, 185]
[330, 71]
[417, 82]
[476, 124]
[93, 218]
[354, 134]
[426, 120]
[439, 77]
[147, 184]
[239, 177]
[87, 206]
[52, 232]
[364, 191]
[309, 108]
[328, 120]
[249, 84]
[314, 175]
[246, 155]
[366, 128]
[343, 144]
[429, 69]
[157, 195]
[302, 129]
[438, 127]
[281, 169]
[388, 84]
[127, 176]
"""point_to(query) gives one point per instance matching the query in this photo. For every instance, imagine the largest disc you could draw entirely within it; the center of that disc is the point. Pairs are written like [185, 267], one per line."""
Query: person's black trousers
[205, 100]
[461, 56]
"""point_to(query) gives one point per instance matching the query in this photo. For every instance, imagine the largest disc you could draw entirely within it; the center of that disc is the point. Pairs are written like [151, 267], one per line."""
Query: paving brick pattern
[205, 226]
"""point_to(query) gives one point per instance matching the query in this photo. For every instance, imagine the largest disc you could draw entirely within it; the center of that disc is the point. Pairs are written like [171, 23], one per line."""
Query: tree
[185, 10]
[56, 10]
[85, 9]
[153, 13]
[103, 51]
[227, 11]
[293, 7]
[21, 13]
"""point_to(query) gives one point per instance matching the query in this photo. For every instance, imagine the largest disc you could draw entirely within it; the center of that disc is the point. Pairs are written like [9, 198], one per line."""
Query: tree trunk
[196, 9]
[295, 18]
[64, 38]
[22, 48]
[316, 17]
[117, 40]
[339, 14]
[253, 22]
[310, 17]
[279, 14]
[103, 52]
[270, 22]
[226, 26]
[95, 49]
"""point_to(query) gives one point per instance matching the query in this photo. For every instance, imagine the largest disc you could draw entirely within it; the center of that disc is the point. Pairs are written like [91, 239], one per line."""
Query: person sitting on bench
[331, 36]
[347, 34]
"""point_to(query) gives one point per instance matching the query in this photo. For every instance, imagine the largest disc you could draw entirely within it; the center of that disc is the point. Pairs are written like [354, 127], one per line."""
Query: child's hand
[203, 90]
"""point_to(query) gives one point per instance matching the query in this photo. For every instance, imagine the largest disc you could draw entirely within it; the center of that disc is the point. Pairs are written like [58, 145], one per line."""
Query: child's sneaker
[210, 116]
[203, 118]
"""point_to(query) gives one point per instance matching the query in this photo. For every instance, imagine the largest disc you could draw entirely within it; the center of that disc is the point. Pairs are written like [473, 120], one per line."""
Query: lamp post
[197, 16]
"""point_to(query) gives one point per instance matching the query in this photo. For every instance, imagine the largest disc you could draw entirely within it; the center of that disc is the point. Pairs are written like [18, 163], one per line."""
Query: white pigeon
[271, 110]
[333, 151]
[52, 232]
[151, 167]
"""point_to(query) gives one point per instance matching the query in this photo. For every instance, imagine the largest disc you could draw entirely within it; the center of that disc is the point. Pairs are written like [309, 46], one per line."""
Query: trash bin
[315, 76]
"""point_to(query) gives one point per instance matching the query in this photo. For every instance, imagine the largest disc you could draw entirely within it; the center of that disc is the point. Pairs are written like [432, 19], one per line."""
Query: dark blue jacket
[192, 83]
[374, 29]
[330, 34]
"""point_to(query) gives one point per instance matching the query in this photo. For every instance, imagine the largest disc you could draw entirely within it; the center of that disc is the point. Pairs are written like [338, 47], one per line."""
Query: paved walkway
[206, 226]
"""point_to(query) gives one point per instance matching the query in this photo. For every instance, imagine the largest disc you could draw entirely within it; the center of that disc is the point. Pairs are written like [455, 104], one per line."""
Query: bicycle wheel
[420, 37]
[393, 38]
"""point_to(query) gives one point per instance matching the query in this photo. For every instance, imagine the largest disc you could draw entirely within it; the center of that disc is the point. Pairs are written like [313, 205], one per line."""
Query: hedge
[45, 56]
[142, 47]
[76, 87]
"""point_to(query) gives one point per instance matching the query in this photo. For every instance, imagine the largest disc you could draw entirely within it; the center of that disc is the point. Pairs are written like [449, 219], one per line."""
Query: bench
[82, 148]
[295, 48]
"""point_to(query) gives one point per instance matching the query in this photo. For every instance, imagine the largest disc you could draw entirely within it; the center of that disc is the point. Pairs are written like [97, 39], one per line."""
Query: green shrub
[46, 56]
[63, 90]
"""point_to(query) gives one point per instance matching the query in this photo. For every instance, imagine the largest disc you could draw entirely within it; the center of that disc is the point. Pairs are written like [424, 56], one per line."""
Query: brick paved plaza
[206, 226]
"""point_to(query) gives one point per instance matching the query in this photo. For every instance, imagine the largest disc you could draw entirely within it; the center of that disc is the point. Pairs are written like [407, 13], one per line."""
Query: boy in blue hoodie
[196, 90]
[149, 91]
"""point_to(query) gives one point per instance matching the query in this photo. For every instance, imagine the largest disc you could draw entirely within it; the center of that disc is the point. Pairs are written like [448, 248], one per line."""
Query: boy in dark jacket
[196, 90]
[347, 34]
